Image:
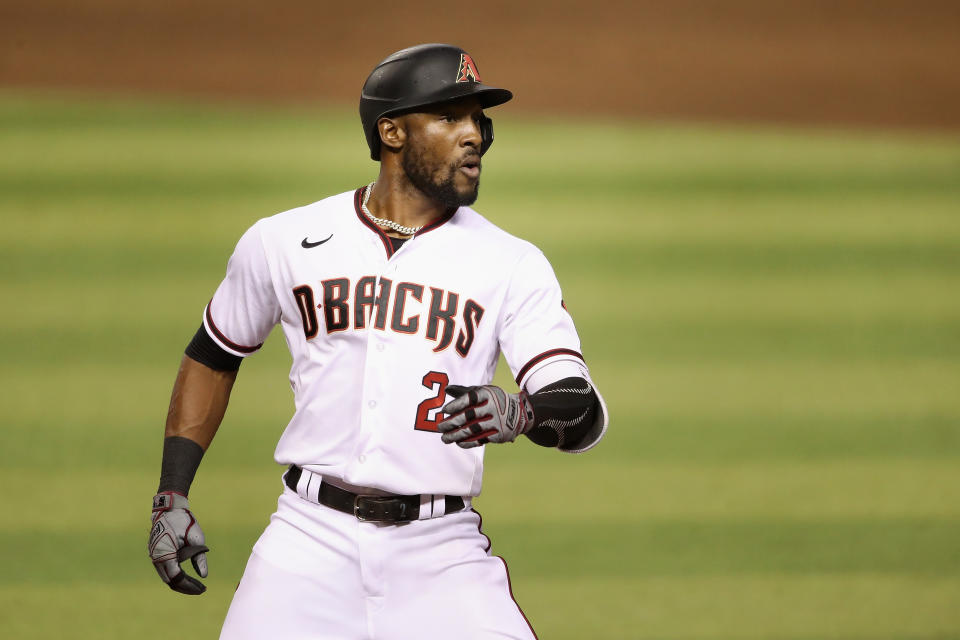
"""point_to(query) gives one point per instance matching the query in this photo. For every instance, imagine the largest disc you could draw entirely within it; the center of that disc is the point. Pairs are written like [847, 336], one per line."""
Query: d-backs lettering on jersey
[436, 320]
[377, 335]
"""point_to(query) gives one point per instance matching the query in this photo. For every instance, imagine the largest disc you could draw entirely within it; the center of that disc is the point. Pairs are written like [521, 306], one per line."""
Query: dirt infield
[860, 62]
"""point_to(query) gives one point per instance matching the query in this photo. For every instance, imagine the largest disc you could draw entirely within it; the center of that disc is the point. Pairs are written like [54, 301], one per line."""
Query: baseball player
[396, 300]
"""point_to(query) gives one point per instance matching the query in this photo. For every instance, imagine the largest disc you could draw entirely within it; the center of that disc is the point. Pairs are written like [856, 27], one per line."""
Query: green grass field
[772, 316]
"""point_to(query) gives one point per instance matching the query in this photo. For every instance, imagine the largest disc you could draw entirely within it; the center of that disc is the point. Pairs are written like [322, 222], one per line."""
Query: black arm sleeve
[563, 412]
[207, 352]
[181, 458]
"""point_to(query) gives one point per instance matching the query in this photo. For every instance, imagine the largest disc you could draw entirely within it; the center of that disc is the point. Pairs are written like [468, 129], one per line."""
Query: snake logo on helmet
[421, 76]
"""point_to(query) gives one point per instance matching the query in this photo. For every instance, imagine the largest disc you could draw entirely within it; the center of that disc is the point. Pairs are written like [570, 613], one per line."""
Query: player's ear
[392, 132]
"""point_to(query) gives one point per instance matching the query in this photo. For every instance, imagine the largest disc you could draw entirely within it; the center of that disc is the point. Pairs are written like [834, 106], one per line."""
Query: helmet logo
[468, 70]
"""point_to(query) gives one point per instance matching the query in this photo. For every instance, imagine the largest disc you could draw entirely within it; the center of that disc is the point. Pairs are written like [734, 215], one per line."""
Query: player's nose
[471, 134]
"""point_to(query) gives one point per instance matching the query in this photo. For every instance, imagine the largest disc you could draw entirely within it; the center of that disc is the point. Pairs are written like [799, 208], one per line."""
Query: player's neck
[394, 198]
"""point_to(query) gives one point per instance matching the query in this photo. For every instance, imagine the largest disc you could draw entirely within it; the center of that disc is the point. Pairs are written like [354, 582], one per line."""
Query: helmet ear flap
[486, 134]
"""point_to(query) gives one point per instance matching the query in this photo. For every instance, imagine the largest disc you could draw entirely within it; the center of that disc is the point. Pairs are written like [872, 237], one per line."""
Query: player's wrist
[526, 416]
[167, 500]
[181, 459]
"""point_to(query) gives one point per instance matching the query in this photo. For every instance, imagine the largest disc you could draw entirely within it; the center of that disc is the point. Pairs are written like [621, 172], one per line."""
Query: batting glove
[479, 415]
[176, 536]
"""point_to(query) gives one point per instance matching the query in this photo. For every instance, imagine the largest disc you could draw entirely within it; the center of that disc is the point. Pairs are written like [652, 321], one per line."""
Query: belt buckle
[380, 500]
[356, 507]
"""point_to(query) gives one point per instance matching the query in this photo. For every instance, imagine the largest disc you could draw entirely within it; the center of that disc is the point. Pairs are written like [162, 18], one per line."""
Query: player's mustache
[470, 158]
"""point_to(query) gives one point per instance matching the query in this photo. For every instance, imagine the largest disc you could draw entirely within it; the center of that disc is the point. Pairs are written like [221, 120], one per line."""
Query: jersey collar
[384, 238]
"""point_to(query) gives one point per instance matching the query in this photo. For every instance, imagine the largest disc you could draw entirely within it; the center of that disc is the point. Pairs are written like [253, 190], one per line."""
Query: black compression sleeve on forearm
[563, 412]
[207, 352]
[181, 458]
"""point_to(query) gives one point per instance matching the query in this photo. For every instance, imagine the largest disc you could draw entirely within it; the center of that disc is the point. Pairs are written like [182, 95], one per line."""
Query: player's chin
[467, 189]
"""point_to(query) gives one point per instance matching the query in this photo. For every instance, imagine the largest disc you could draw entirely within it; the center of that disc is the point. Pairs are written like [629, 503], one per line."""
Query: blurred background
[754, 211]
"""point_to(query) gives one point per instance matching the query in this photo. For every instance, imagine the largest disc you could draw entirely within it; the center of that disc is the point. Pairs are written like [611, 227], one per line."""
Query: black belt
[370, 508]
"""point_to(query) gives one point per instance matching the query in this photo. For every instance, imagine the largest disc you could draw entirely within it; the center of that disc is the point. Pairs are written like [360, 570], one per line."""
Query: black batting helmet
[423, 75]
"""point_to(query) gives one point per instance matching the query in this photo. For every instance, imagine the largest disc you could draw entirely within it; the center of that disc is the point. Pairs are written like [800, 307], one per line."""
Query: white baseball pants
[321, 574]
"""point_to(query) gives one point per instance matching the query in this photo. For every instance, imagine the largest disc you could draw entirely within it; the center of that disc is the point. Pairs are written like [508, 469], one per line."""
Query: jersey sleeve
[244, 307]
[539, 341]
[536, 328]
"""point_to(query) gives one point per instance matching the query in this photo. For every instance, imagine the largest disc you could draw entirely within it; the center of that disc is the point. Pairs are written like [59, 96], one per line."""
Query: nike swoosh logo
[310, 245]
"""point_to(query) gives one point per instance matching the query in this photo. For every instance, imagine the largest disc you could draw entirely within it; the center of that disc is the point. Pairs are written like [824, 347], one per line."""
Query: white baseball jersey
[377, 335]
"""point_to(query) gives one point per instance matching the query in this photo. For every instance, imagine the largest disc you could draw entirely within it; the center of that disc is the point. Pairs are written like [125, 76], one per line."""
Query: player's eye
[448, 117]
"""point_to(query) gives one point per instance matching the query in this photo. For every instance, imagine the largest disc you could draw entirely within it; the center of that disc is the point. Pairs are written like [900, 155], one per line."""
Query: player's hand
[479, 415]
[174, 537]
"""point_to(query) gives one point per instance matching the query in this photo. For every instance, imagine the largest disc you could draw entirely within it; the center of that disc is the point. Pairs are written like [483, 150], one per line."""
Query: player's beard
[442, 189]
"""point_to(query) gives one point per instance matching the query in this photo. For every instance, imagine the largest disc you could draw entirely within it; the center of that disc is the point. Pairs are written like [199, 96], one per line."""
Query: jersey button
[380, 346]
[362, 458]
[372, 404]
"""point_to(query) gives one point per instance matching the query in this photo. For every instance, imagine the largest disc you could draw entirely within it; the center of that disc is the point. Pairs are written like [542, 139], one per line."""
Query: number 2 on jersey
[431, 380]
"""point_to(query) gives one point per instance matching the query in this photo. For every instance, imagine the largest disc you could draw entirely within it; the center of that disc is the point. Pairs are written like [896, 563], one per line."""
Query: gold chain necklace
[383, 222]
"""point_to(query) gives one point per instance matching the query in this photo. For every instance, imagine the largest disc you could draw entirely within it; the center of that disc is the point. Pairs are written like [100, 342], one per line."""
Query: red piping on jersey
[223, 338]
[357, 202]
[543, 356]
[436, 223]
[384, 238]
